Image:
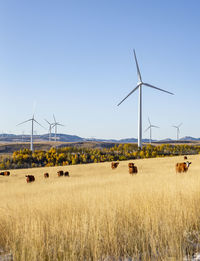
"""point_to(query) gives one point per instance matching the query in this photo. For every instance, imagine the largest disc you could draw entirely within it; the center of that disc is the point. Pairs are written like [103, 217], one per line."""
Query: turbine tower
[178, 130]
[149, 128]
[51, 125]
[55, 125]
[32, 127]
[139, 86]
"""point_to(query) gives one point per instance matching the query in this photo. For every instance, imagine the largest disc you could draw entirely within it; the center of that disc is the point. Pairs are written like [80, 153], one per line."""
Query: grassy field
[99, 212]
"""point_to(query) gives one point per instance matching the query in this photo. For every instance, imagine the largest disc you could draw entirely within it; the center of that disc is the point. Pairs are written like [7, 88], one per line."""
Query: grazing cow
[114, 165]
[5, 173]
[182, 167]
[132, 169]
[66, 174]
[60, 173]
[30, 178]
[185, 157]
[46, 175]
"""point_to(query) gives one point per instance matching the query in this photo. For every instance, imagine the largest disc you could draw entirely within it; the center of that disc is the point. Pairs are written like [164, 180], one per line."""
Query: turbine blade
[175, 127]
[54, 118]
[149, 85]
[23, 122]
[180, 124]
[147, 128]
[60, 124]
[154, 126]
[129, 94]
[47, 121]
[149, 121]
[138, 69]
[39, 124]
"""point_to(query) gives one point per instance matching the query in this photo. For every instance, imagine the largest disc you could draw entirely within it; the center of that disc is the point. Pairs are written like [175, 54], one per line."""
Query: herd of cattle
[31, 178]
[60, 173]
[5, 173]
[132, 168]
[180, 167]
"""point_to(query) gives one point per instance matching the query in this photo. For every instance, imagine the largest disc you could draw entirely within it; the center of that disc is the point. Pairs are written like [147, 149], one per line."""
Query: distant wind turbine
[178, 130]
[55, 125]
[149, 128]
[51, 125]
[139, 86]
[32, 129]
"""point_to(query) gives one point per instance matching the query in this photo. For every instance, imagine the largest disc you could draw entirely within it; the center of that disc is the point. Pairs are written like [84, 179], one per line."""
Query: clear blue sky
[75, 59]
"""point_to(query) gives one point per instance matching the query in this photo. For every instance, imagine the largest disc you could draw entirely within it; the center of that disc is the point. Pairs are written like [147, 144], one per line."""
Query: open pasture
[98, 213]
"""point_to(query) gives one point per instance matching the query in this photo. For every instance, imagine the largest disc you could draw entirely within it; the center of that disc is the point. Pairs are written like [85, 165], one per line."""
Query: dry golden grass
[100, 212]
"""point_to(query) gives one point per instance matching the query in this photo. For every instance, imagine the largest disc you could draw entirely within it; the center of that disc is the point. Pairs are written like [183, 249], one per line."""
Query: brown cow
[46, 175]
[182, 167]
[60, 173]
[5, 173]
[132, 169]
[130, 165]
[30, 178]
[66, 174]
[114, 165]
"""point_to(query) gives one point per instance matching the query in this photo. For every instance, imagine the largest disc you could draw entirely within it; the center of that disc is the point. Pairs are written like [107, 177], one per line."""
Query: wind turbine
[178, 130]
[149, 128]
[32, 121]
[51, 125]
[55, 125]
[139, 86]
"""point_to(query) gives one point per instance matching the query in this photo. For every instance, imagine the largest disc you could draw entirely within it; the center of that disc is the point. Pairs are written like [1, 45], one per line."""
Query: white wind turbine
[55, 125]
[139, 86]
[51, 125]
[178, 130]
[32, 129]
[149, 128]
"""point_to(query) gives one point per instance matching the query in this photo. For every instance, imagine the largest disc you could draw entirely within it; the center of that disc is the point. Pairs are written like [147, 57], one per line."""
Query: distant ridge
[165, 140]
[74, 138]
[189, 138]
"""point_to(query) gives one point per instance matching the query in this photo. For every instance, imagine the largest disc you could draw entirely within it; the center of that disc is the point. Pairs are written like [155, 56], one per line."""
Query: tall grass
[99, 212]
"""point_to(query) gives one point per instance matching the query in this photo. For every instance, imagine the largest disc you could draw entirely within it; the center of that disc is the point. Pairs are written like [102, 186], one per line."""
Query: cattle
[30, 178]
[46, 175]
[132, 169]
[114, 165]
[182, 167]
[66, 174]
[5, 173]
[60, 173]
[130, 165]
[185, 157]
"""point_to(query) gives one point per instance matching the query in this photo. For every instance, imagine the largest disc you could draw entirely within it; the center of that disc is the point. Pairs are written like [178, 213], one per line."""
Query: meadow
[102, 214]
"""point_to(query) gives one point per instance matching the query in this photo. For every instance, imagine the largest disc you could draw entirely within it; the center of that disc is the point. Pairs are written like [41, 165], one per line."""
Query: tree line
[76, 155]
